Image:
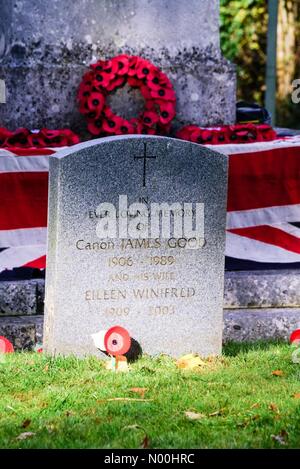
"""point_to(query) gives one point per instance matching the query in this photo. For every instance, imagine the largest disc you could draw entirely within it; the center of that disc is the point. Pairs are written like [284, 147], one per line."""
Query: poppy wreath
[106, 76]
[24, 138]
[239, 133]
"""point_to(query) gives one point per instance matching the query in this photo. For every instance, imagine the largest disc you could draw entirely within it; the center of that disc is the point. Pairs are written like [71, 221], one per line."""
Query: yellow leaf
[297, 395]
[190, 362]
[277, 373]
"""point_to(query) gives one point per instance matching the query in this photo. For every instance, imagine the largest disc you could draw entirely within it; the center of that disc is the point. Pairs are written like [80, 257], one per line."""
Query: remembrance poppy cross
[144, 158]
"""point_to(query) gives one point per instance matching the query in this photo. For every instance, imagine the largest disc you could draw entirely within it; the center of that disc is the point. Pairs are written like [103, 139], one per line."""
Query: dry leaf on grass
[297, 395]
[190, 362]
[273, 407]
[26, 423]
[277, 373]
[140, 391]
[194, 415]
[255, 406]
[146, 442]
[25, 435]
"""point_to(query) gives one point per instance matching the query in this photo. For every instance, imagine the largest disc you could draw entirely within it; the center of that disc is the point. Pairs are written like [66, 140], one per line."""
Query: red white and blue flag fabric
[263, 219]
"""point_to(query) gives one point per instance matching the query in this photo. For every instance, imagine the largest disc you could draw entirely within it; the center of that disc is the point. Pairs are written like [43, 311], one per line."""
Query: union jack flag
[263, 220]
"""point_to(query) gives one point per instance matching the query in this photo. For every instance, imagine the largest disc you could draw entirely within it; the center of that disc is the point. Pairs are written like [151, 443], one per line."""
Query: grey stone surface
[46, 55]
[239, 326]
[260, 324]
[23, 331]
[262, 289]
[21, 297]
[242, 289]
[87, 289]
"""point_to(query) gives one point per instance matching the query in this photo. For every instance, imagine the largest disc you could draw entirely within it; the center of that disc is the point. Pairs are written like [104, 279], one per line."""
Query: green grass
[63, 402]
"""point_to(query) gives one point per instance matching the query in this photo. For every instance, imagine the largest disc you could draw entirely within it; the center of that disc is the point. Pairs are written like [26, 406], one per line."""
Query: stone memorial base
[258, 305]
[205, 90]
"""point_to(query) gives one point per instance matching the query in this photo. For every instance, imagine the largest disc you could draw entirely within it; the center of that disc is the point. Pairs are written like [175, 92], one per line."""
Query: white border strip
[263, 216]
[241, 247]
[23, 237]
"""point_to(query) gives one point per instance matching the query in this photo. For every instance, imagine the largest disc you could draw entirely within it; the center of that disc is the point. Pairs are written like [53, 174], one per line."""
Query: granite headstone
[136, 237]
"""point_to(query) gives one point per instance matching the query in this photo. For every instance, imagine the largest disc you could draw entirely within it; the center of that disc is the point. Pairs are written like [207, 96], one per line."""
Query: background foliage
[244, 41]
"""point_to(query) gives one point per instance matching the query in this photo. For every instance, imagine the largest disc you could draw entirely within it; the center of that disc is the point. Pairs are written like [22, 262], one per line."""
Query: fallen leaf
[127, 399]
[190, 362]
[25, 435]
[297, 395]
[216, 413]
[277, 373]
[146, 442]
[194, 415]
[255, 406]
[140, 391]
[46, 368]
[26, 423]
[273, 407]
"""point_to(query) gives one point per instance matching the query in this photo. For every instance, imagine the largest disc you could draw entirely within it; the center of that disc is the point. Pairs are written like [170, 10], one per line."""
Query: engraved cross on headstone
[144, 158]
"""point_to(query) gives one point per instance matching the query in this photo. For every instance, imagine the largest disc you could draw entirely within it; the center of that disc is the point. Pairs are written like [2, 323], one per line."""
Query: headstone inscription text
[165, 288]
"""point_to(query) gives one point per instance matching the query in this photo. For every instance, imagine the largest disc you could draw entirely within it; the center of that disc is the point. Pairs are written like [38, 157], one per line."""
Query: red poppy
[124, 127]
[95, 101]
[165, 94]
[149, 118]
[101, 65]
[167, 112]
[157, 80]
[95, 126]
[19, 138]
[116, 83]
[144, 68]
[102, 79]
[133, 63]
[111, 124]
[120, 65]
